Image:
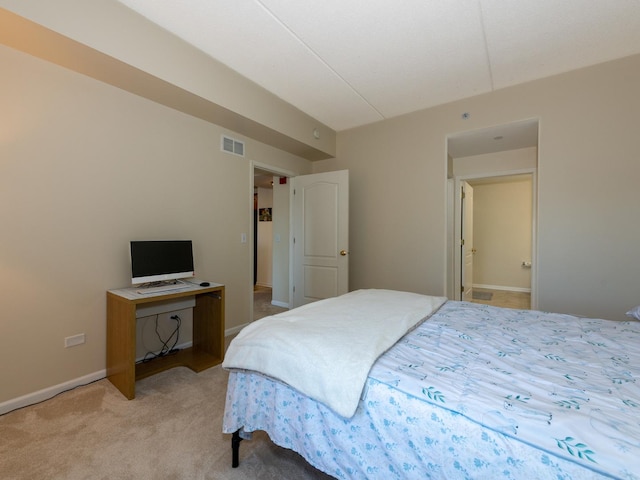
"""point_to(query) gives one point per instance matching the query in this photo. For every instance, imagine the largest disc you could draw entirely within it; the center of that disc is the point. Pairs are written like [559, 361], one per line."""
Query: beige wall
[108, 41]
[588, 169]
[496, 163]
[84, 168]
[502, 215]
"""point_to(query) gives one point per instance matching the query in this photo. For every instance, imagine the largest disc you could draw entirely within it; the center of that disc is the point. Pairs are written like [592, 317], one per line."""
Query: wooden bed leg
[235, 449]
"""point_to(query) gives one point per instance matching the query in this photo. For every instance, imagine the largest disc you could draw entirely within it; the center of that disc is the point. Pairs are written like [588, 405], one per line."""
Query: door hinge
[462, 288]
[463, 194]
[462, 242]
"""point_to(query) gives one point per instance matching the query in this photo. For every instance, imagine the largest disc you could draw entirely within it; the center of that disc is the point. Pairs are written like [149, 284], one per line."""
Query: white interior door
[320, 236]
[467, 242]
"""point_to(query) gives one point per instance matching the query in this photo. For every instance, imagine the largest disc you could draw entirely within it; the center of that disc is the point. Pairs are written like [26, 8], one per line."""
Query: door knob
[343, 252]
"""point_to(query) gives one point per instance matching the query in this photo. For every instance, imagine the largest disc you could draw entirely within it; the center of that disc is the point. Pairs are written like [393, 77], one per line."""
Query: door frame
[455, 234]
[280, 172]
[462, 222]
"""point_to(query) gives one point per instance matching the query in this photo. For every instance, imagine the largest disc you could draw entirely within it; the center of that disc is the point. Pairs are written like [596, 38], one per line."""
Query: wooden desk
[208, 334]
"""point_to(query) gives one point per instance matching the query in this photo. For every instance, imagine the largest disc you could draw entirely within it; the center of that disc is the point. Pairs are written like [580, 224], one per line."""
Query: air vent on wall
[233, 146]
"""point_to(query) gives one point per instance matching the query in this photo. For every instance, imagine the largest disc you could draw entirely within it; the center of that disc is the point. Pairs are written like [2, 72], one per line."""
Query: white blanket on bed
[325, 349]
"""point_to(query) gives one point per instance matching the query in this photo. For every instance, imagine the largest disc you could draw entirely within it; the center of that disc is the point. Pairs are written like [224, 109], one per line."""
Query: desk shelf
[196, 361]
[208, 335]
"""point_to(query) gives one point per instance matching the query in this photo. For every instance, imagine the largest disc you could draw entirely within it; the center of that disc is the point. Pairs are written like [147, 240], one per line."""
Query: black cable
[176, 331]
[165, 349]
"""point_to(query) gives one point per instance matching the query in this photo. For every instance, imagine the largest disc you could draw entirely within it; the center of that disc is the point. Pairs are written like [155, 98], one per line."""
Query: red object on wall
[283, 180]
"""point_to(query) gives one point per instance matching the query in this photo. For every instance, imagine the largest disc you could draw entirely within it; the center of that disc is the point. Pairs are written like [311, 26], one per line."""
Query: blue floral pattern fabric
[474, 392]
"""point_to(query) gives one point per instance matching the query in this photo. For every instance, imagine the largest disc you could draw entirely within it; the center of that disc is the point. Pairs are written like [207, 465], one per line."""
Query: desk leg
[208, 324]
[121, 345]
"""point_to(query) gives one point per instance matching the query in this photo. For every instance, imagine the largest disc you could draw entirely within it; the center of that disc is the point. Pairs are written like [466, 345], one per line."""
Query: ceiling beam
[34, 39]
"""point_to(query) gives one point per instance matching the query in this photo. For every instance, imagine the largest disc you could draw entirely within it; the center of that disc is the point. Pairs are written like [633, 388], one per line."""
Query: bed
[466, 391]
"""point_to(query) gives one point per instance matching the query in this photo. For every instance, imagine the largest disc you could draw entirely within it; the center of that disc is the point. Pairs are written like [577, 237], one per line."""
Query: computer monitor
[160, 260]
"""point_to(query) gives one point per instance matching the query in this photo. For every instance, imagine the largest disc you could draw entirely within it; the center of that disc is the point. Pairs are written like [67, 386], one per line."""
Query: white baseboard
[50, 392]
[234, 330]
[502, 287]
[279, 304]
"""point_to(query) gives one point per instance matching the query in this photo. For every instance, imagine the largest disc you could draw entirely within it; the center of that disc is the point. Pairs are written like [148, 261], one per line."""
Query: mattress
[473, 392]
[325, 349]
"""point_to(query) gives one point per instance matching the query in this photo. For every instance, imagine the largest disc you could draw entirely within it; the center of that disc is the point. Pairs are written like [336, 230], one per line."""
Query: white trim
[234, 330]
[534, 224]
[499, 173]
[49, 392]
[279, 304]
[502, 287]
[449, 270]
[281, 172]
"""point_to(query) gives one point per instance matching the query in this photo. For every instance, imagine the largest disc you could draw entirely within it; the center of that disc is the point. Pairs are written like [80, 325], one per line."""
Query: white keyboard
[176, 287]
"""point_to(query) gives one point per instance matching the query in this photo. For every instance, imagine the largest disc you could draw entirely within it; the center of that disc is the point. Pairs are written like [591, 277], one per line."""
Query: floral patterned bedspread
[473, 392]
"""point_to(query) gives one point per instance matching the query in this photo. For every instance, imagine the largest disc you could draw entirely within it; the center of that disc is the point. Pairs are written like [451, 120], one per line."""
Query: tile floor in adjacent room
[505, 298]
[500, 298]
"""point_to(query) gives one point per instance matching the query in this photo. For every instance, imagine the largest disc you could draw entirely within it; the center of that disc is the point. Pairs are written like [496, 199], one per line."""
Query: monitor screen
[160, 260]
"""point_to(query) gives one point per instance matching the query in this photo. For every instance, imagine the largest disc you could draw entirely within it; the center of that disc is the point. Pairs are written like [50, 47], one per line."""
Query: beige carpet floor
[171, 430]
[262, 306]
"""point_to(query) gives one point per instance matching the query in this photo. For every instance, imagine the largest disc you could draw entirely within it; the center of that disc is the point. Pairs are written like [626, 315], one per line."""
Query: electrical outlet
[74, 340]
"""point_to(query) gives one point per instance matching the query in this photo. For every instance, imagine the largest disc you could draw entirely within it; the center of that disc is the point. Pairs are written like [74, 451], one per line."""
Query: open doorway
[317, 216]
[494, 261]
[496, 255]
[270, 240]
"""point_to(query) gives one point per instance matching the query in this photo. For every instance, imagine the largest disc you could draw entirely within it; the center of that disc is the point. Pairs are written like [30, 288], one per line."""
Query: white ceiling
[352, 62]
